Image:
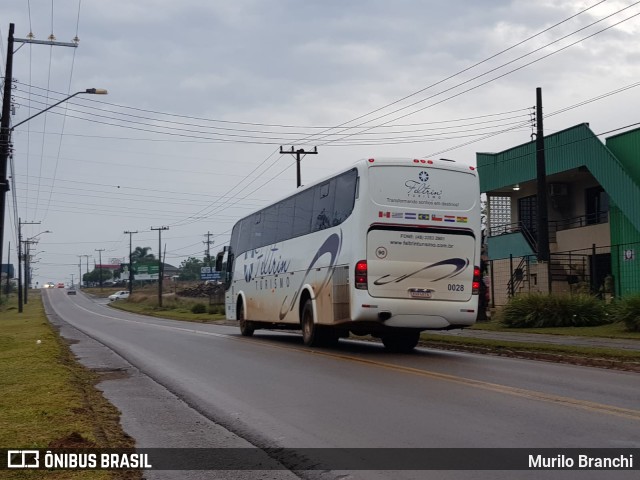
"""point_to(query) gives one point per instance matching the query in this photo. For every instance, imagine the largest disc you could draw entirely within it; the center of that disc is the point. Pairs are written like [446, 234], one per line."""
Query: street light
[5, 136]
[90, 91]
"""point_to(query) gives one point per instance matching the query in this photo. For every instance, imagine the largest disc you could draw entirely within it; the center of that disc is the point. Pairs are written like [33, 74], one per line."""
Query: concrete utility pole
[543, 214]
[20, 259]
[299, 155]
[130, 265]
[79, 272]
[160, 272]
[7, 286]
[208, 243]
[27, 272]
[5, 138]
[100, 250]
[80, 265]
[5, 121]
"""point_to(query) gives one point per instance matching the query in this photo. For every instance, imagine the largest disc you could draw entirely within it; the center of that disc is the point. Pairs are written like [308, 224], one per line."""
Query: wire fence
[611, 271]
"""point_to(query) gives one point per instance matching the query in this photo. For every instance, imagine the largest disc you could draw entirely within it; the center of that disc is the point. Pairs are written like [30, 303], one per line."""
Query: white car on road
[121, 295]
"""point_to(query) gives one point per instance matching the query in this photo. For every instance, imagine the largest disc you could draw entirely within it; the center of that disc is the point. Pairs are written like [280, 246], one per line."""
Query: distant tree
[142, 255]
[94, 276]
[190, 269]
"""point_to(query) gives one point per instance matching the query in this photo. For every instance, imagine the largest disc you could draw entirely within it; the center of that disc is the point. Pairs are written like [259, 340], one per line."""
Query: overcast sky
[203, 93]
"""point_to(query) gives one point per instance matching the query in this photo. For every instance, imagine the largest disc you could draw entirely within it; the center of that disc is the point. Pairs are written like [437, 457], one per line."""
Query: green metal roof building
[594, 210]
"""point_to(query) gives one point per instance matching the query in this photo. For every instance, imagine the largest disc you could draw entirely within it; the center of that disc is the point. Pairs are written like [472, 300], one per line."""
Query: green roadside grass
[173, 308]
[48, 399]
[612, 330]
[581, 355]
[505, 347]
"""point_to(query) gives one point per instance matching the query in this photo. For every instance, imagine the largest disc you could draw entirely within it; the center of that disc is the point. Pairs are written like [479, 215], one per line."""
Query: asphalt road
[183, 384]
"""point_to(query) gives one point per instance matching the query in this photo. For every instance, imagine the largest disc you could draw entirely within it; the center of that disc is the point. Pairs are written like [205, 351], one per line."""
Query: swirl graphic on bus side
[460, 265]
[332, 246]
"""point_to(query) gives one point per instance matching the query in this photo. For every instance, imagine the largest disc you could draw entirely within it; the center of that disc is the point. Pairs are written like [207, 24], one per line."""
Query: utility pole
[160, 229]
[20, 223]
[5, 139]
[72, 284]
[79, 272]
[299, 156]
[8, 263]
[5, 121]
[80, 266]
[208, 243]
[27, 259]
[131, 277]
[543, 214]
[100, 250]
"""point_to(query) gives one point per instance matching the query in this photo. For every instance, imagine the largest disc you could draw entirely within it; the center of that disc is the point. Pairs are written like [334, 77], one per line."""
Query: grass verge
[175, 309]
[612, 330]
[576, 355]
[48, 399]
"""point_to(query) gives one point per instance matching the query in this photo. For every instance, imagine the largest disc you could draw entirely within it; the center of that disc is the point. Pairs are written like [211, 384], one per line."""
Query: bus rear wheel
[310, 331]
[314, 335]
[401, 342]
[246, 327]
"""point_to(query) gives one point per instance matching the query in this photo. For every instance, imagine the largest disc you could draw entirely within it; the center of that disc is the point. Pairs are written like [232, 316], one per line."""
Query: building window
[528, 214]
[499, 215]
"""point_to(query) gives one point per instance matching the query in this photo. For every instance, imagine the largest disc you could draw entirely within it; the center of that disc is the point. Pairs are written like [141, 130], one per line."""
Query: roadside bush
[540, 311]
[216, 309]
[627, 310]
[199, 308]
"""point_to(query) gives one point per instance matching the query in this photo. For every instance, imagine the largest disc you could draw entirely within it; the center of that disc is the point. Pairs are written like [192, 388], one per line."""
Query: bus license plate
[420, 293]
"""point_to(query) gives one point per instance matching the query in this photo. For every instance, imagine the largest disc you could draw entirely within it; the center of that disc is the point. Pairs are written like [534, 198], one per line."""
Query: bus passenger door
[224, 265]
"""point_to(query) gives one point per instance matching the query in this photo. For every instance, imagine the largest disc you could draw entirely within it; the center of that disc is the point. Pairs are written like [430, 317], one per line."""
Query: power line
[557, 112]
[276, 140]
[460, 72]
[497, 68]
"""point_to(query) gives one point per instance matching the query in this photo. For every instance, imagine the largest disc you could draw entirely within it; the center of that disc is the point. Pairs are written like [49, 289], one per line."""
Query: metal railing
[601, 270]
[517, 227]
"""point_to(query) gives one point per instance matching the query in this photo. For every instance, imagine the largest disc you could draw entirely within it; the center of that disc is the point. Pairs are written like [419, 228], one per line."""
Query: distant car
[71, 291]
[49, 285]
[121, 295]
[61, 285]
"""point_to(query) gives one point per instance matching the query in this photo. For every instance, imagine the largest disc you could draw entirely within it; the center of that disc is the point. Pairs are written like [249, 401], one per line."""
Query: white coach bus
[389, 247]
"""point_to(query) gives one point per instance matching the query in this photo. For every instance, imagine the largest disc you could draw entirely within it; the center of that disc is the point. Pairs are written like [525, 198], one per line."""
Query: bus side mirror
[219, 259]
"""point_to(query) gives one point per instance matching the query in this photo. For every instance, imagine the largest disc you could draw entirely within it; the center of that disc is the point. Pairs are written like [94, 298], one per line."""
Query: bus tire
[246, 327]
[401, 342]
[311, 335]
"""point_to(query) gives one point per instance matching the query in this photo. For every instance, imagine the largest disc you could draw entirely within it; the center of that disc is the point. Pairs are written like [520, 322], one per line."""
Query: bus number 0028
[455, 287]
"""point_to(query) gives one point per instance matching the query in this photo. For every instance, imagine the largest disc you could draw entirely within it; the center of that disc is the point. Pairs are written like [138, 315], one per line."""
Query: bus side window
[285, 219]
[270, 225]
[345, 196]
[302, 213]
[324, 196]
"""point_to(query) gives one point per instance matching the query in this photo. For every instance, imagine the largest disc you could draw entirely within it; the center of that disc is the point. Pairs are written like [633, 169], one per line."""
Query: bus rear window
[430, 188]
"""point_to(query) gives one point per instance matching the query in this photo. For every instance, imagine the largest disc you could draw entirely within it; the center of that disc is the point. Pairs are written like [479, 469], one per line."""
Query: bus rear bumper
[418, 315]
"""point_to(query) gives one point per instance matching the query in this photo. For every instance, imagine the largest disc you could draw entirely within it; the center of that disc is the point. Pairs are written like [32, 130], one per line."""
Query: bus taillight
[361, 275]
[475, 288]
